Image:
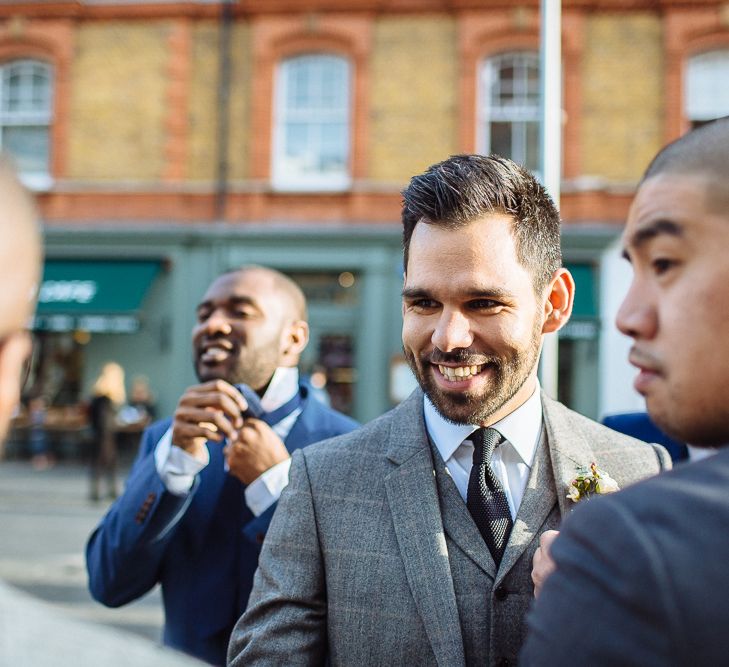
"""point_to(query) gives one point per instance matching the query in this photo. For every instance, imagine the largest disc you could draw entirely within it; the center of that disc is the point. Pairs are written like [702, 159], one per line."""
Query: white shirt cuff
[265, 490]
[175, 466]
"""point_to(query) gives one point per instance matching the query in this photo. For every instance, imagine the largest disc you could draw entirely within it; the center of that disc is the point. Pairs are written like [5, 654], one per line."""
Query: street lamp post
[551, 148]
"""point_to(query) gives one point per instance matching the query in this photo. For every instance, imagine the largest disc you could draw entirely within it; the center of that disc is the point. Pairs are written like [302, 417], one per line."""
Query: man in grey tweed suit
[409, 541]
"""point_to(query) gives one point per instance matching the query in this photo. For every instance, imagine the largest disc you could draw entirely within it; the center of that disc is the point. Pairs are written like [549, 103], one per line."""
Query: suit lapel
[413, 498]
[538, 501]
[569, 450]
[561, 451]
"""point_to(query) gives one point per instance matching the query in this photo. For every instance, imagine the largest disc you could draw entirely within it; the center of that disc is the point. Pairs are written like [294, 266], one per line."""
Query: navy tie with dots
[486, 500]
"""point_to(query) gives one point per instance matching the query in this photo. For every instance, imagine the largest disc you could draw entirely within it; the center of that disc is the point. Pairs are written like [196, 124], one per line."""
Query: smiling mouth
[215, 353]
[459, 373]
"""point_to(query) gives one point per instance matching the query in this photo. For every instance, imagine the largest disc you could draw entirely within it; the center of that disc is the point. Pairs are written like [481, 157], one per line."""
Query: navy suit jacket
[640, 425]
[186, 544]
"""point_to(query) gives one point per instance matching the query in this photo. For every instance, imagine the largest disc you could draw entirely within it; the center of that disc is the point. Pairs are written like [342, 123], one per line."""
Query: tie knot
[484, 442]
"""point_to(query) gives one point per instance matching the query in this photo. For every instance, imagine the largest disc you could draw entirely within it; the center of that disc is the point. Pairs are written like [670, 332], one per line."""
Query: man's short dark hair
[703, 152]
[463, 188]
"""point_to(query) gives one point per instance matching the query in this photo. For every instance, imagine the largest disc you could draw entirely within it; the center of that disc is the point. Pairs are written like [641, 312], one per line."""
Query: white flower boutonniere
[591, 481]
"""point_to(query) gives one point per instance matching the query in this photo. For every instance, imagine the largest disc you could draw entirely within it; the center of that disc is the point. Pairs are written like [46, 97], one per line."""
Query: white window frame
[285, 176]
[27, 68]
[706, 86]
[491, 111]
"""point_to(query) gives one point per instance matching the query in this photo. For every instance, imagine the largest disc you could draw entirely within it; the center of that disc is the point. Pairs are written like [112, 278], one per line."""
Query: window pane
[333, 147]
[501, 139]
[531, 160]
[707, 86]
[25, 114]
[29, 147]
[509, 101]
[313, 112]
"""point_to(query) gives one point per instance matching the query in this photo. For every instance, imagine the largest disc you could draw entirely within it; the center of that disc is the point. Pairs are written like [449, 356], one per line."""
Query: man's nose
[452, 331]
[217, 322]
[637, 316]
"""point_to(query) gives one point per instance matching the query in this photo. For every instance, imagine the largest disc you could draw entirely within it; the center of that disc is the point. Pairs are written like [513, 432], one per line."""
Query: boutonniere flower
[591, 481]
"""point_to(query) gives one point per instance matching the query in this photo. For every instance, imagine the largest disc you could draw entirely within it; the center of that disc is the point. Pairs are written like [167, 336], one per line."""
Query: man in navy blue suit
[205, 483]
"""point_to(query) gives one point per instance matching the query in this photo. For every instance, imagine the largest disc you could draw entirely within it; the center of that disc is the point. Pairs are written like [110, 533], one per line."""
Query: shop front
[79, 300]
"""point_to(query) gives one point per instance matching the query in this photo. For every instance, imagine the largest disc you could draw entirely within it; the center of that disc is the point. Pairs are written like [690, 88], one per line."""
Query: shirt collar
[284, 385]
[522, 428]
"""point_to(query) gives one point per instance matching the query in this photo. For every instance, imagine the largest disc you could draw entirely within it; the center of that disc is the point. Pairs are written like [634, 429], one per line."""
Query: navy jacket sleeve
[125, 551]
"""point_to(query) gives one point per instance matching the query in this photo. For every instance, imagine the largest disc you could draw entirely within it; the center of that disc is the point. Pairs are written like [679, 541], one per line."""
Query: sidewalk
[45, 519]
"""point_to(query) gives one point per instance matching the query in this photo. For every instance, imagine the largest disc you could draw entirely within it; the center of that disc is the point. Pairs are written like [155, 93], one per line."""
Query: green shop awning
[98, 296]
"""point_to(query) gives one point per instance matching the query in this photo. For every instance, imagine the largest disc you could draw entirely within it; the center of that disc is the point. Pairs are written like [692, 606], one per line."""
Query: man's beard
[252, 366]
[508, 375]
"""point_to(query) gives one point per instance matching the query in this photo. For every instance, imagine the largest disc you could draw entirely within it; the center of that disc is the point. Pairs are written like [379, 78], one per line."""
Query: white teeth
[214, 354]
[459, 373]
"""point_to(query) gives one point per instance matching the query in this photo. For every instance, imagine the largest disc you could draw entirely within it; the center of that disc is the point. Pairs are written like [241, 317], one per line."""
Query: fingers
[542, 564]
[208, 411]
[216, 394]
[255, 450]
[547, 538]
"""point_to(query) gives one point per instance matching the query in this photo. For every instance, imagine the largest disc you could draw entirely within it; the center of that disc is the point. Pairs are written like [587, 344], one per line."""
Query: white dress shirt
[177, 468]
[512, 459]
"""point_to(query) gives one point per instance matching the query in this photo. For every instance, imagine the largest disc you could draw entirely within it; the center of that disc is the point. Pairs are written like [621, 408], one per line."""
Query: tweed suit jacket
[373, 559]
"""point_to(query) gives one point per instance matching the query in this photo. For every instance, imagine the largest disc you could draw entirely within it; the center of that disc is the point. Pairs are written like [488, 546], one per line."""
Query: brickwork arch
[50, 42]
[276, 38]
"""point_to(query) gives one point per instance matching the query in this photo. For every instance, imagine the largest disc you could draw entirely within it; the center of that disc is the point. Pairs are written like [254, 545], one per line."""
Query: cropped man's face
[472, 324]
[677, 308]
[20, 264]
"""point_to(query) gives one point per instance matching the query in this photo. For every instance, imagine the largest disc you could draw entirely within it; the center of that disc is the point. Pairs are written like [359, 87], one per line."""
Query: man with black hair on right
[642, 576]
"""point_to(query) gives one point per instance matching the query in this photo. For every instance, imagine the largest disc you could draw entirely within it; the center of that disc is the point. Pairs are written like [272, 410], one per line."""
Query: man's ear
[296, 338]
[560, 295]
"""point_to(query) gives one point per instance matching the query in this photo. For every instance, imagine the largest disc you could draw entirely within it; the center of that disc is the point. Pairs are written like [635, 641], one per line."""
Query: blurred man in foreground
[32, 633]
[641, 577]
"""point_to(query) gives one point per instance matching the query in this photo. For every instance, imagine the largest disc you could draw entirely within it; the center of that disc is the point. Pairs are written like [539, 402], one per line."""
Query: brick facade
[137, 99]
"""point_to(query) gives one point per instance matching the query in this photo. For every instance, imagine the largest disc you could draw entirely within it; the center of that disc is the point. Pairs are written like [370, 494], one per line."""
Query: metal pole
[223, 109]
[551, 145]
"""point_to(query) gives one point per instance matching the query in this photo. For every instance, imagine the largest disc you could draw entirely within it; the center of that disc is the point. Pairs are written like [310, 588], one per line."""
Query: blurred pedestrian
[108, 396]
[41, 457]
[142, 400]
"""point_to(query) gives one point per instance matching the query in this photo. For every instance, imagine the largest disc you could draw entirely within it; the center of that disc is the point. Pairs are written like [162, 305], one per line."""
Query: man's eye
[423, 304]
[202, 315]
[662, 264]
[484, 304]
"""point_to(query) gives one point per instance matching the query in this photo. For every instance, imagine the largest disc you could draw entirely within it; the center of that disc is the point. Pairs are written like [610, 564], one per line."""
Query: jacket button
[501, 594]
[503, 662]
